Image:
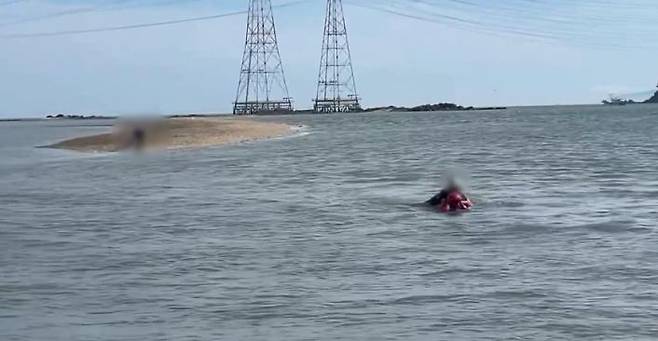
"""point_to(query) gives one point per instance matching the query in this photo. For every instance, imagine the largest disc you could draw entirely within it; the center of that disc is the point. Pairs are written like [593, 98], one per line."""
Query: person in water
[450, 199]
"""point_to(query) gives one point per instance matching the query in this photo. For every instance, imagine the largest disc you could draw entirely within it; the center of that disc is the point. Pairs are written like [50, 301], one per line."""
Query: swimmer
[451, 198]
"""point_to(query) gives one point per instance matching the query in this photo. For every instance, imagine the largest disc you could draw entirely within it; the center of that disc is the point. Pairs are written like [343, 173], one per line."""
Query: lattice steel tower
[262, 87]
[336, 84]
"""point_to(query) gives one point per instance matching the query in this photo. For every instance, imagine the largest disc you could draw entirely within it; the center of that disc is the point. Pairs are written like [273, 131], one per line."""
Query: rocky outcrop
[431, 107]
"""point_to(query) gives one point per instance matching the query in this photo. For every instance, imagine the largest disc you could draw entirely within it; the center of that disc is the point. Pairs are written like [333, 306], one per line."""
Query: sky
[405, 52]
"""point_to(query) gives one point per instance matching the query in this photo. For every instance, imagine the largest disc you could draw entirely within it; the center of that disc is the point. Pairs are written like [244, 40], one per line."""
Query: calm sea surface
[321, 235]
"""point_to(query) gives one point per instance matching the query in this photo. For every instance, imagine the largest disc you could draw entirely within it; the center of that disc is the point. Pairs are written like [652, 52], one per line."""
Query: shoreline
[176, 133]
[310, 112]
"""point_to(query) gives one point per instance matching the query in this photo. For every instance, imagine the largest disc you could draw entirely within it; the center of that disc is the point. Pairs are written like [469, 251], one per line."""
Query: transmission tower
[336, 84]
[262, 87]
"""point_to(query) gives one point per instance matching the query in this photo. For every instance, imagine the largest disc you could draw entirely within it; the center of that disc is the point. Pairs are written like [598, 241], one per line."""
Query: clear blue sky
[405, 52]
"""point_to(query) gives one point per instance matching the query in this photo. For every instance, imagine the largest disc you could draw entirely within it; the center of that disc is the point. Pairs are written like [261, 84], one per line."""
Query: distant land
[393, 108]
[432, 107]
[653, 99]
[79, 117]
[390, 108]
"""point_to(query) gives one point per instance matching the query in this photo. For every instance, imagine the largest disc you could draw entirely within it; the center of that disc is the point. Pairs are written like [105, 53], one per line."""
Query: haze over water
[322, 235]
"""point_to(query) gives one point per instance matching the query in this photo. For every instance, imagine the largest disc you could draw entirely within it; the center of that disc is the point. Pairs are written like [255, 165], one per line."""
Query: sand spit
[177, 133]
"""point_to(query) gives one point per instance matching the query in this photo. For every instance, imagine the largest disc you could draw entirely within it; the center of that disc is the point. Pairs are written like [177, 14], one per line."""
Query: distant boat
[613, 100]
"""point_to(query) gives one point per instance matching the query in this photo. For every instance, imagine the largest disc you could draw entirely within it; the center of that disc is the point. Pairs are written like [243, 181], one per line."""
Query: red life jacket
[456, 201]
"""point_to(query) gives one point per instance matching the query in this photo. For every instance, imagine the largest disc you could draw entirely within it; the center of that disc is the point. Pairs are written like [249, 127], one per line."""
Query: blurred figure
[138, 138]
[451, 198]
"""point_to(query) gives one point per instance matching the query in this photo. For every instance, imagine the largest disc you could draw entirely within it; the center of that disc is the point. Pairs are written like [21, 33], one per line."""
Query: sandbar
[174, 133]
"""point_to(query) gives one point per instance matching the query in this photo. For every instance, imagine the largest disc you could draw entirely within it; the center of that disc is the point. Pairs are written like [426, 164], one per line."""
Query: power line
[535, 19]
[134, 26]
[113, 5]
[551, 24]
[49, 16]
[118, 28]
[450, 18]
[11, 2]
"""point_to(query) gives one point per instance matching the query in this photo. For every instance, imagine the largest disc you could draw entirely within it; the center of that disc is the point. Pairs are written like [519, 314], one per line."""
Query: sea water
[323, 235]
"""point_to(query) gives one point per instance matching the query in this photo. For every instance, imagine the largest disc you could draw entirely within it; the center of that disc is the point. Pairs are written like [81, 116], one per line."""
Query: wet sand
[177, 133]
